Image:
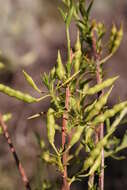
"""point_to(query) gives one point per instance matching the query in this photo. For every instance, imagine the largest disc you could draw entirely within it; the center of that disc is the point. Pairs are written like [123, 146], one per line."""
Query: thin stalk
[68, 45]
[64, 129]
[12, 149]
[91, 182]
[101, 127]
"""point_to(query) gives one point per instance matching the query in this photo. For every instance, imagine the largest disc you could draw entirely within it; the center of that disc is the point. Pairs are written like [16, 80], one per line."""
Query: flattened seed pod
[88, 162]
[76, 136]
[109, 113]
[50, 125]
[98, 106]
[17, 94]
[95, 165]
[95, 153]
[97, 88]
[88, 133]
[90, 107]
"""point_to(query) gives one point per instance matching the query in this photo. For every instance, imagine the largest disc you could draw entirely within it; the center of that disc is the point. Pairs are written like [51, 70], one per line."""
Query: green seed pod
[97, 88]
[89, 162]
[115, 39]
[88, 133]
[78, 54]
[96, 151]
[50, 125]
[76, 136]
[98, 106]
[17, 94]
[60, 70]
[95, 165]
[31, 82]
[90, 107]
[109, 113]
[52, 73]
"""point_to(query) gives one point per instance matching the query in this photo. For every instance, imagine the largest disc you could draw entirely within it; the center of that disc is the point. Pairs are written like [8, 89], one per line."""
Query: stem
[68, 45]
[91, 182]
[12, 149]
[101, 127]
[64, 128]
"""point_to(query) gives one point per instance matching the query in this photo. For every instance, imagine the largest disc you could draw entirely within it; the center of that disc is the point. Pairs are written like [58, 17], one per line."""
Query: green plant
[78, 109]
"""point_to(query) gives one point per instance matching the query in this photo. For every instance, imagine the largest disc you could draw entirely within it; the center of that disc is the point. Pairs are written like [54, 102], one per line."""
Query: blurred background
[30, 34]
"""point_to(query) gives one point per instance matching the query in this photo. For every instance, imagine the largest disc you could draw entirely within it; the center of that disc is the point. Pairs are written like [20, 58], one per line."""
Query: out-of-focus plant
[78, 95]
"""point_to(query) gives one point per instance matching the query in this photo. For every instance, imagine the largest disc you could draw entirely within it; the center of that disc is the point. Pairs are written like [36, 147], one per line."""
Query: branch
[12, 149]
[101, 127]
[64, 129]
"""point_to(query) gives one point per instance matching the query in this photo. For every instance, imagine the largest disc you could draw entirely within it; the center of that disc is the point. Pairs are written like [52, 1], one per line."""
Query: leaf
[89, 8]
[31, 82]
[69, 16]
[63, 14]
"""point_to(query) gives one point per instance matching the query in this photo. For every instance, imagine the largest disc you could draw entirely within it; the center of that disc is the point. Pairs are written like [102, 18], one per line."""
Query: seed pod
[90, 107]
[109, 113]
[98, 106]
[95, 153]
[76, 136]
[52, 73]
[88, 133]
[95, 165]
[78, 54]
[17, 94]
[97, 88]
[50, 126]
[97, 150]
[88, 162]
[31, 82]
[115, 39]
[60, 70]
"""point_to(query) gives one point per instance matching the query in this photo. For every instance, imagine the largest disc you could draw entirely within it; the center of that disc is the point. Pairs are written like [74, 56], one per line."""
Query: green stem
[43, 97]
[68, 44]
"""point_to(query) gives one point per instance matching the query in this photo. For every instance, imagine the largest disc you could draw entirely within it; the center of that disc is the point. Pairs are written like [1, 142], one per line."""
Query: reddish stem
[64, 129]
[12, 149]
[101, 127]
